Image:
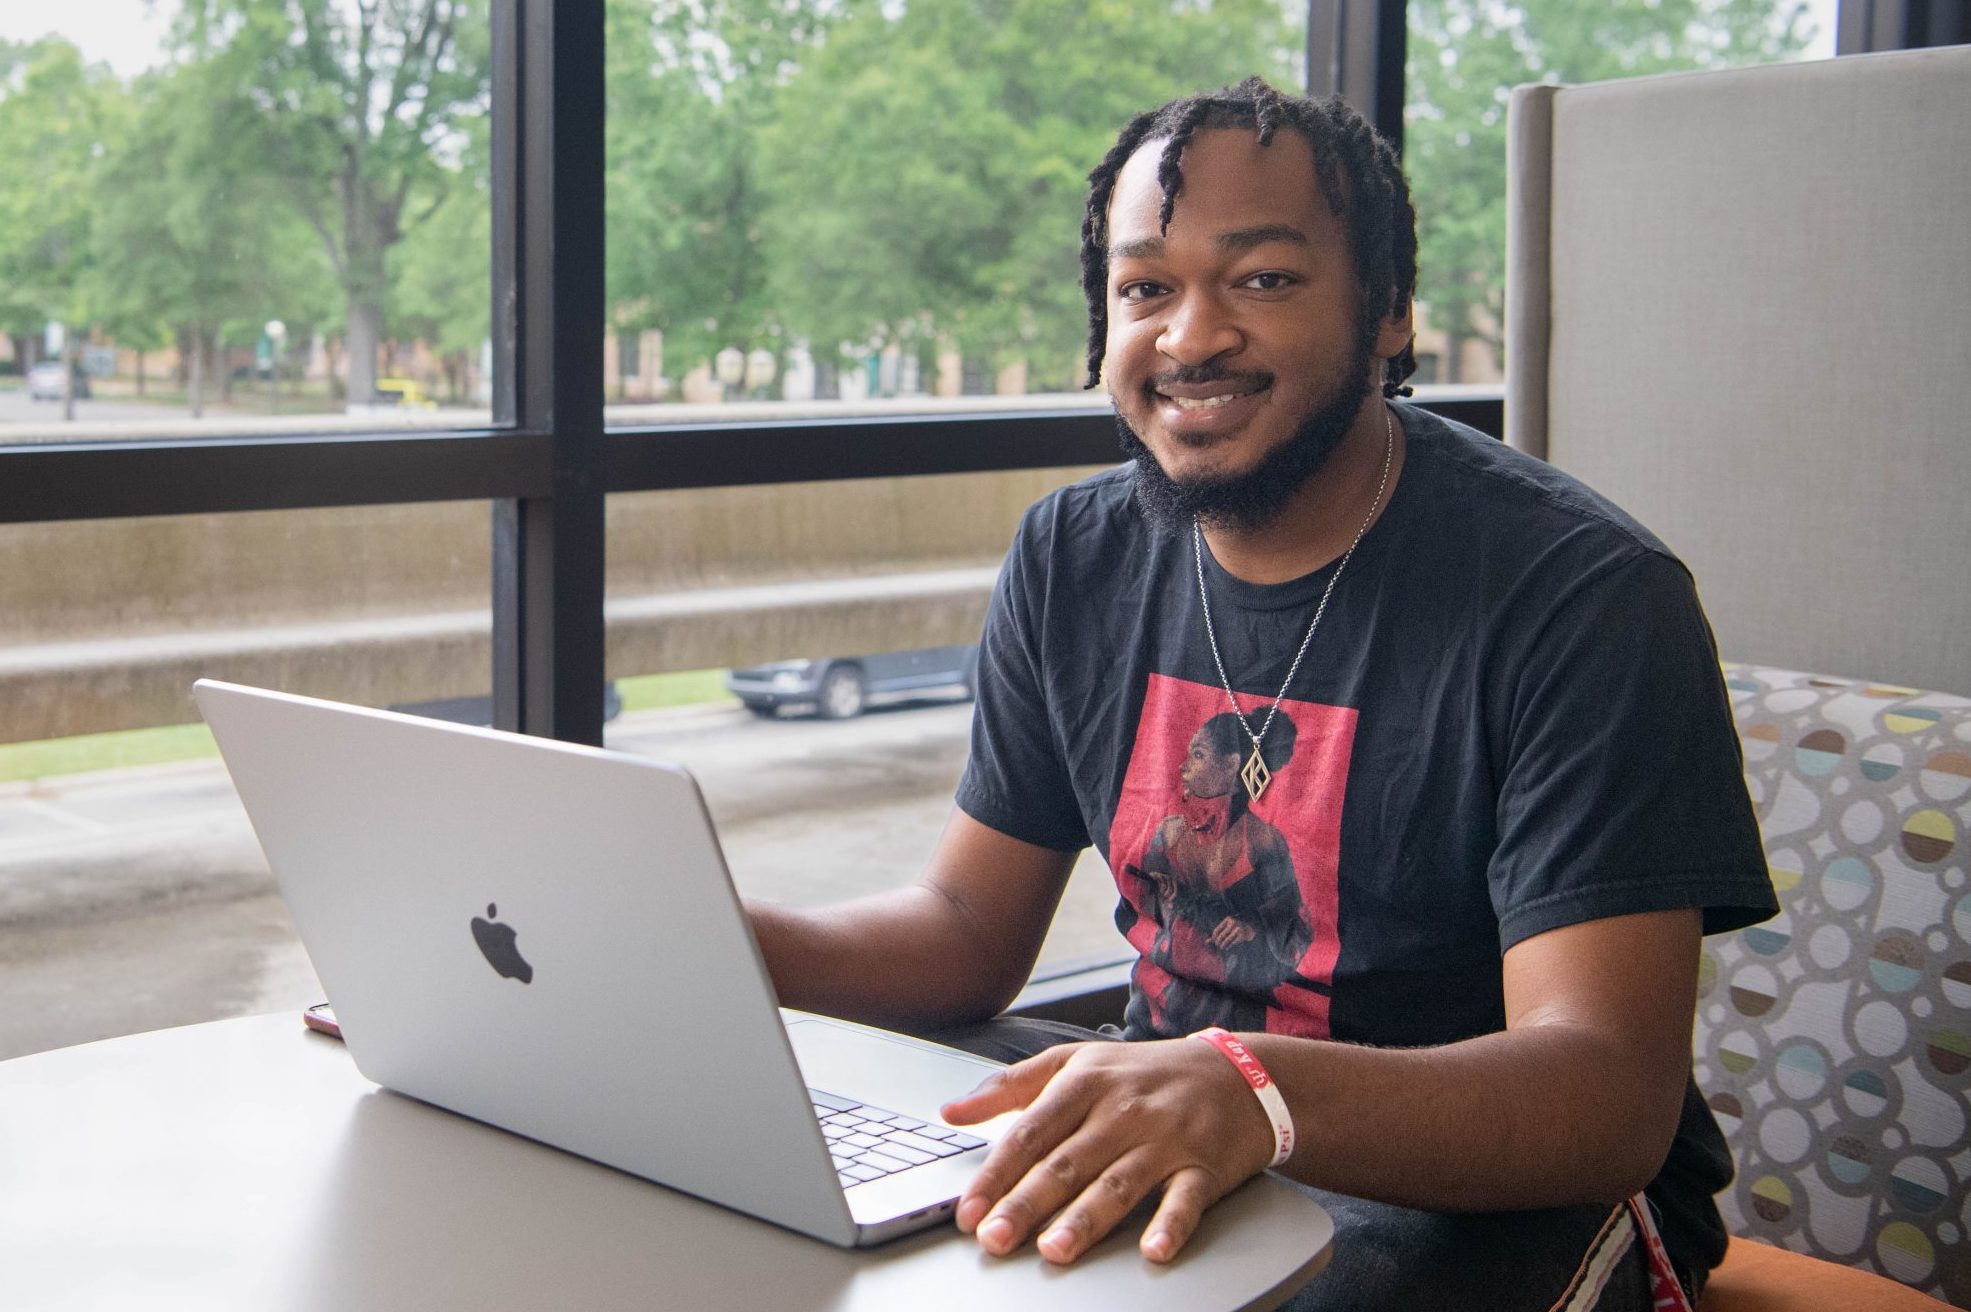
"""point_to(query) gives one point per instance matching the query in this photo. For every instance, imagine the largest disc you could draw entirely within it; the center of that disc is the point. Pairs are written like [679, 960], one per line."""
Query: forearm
[1541, 1116]
[904, 959]
[953, 947]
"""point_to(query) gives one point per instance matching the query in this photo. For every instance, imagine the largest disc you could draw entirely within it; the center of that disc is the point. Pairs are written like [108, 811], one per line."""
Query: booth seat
[1833, 1042]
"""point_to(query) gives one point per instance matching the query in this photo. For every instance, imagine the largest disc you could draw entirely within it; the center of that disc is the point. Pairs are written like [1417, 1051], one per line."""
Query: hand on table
[1105, 1125]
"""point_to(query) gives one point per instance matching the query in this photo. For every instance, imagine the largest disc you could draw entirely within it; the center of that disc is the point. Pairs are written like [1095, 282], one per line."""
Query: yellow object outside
[406, 392]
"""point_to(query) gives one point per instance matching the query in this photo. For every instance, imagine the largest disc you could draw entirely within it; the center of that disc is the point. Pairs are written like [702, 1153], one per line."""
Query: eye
[1139, 290]
[1272, 280]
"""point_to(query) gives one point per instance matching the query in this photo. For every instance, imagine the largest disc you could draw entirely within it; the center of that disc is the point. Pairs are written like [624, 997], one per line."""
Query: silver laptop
[544, 937]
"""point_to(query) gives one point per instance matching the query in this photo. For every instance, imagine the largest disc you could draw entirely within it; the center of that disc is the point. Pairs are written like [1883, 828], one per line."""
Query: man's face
[1236, 355]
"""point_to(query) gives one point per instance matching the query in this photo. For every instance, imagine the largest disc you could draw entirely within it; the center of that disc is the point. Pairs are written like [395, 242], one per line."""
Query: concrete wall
[104, 624]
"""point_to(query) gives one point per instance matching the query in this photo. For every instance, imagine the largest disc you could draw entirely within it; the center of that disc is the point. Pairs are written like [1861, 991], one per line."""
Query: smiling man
[1488, 794]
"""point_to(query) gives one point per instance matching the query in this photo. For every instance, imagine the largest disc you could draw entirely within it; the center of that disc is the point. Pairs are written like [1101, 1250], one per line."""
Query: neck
[1322, 518]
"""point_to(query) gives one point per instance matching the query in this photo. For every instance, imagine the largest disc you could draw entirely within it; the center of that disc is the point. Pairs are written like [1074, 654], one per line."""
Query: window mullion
[548, 311]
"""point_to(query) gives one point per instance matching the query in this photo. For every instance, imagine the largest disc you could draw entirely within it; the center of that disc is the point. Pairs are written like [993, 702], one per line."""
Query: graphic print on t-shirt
[1231, 903]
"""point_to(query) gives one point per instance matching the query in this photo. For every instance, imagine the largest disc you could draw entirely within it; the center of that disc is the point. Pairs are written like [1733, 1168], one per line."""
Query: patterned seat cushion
[1834, 1041]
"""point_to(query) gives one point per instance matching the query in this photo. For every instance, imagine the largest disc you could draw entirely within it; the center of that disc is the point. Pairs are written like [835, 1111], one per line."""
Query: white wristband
[1263, 1088]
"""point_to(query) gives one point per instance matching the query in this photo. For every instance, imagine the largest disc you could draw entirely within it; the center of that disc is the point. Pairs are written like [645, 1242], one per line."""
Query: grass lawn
[189, 742]
[648, 692]
[104, 751]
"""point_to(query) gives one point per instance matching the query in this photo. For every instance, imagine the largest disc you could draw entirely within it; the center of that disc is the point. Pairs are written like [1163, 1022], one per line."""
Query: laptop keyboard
[869, 1143]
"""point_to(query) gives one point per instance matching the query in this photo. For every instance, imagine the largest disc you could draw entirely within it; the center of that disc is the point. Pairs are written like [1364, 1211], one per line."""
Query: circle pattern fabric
[1834, 1041]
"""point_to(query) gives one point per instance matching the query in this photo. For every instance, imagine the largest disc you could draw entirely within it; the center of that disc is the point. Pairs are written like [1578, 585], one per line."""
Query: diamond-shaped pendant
[1255, 776]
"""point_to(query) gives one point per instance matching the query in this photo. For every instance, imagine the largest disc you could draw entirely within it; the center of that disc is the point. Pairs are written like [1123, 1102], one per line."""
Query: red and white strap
[1263, 1087]
[1665, 1290]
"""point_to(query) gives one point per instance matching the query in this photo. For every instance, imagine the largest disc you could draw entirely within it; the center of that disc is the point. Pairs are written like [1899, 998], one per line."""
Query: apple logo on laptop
[496, 941]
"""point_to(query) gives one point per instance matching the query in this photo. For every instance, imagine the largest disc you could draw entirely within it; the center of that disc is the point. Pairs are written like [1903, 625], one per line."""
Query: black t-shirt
[1510, 719]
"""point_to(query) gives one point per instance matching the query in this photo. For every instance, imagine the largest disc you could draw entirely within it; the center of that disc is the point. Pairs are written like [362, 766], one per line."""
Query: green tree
[190, 237]
[691, 85]
[359, 112]
[1465, 56]
[440, 293]
[929, 164]
[58, 116]
[19, 315]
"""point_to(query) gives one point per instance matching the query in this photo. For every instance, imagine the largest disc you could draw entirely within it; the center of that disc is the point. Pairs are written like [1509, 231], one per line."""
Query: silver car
[47, 382]
[837, 688]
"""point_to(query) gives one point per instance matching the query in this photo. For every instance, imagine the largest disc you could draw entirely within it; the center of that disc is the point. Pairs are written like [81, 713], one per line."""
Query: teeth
[1205, 402]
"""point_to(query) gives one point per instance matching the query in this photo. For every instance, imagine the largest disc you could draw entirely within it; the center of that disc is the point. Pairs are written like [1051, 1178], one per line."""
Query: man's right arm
[952, 948]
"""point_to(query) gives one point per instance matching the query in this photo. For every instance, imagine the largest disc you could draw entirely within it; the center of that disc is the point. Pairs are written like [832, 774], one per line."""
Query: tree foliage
[358, 112]
[58, 116]
[846, 172]
[439, 281]
[692, 85]
[192, 242]
[929, 163]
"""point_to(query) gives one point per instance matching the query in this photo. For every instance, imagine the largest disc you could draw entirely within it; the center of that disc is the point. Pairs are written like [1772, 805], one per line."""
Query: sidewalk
[79, 844]
[75, 845]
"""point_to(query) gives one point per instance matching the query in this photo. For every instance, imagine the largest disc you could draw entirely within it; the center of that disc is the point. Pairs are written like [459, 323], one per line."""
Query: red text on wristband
[1263, 1087]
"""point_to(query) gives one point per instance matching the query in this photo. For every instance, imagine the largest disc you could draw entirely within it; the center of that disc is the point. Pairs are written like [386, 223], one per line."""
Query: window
[228, 220]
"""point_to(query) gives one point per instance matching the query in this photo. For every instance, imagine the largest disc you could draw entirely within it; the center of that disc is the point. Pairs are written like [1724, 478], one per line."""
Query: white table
[244, 1164]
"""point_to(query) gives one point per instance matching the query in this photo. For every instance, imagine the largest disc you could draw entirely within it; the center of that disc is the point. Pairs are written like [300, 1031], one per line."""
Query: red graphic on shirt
[1234, 901]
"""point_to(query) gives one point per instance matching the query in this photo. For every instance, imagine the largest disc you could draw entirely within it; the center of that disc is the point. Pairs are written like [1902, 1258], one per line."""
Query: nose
[1199, 328]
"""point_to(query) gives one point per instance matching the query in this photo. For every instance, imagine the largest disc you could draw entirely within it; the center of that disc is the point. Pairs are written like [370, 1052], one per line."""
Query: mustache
[1197, 375]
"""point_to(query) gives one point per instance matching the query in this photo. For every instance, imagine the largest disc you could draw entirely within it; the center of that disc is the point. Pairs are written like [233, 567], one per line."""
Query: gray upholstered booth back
[1739, 304]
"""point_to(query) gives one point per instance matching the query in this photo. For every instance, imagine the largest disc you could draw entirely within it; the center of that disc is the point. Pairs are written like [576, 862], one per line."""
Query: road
[15, 408]
[135, 899]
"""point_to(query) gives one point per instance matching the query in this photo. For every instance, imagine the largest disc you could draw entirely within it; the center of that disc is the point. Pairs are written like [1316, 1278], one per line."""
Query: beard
[1243, 503]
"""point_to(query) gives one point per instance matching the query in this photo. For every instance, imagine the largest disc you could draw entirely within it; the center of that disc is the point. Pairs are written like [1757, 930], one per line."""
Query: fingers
[1071, 1216]
[1072, 1197]
[1043, 1134]
[1185, 1198]
[1009, 1088]
[1230, 932]
[1097, 1138]
[1112, 1195]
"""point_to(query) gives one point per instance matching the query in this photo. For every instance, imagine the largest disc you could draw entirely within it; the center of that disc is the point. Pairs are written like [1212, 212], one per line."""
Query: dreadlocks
[1359, 177]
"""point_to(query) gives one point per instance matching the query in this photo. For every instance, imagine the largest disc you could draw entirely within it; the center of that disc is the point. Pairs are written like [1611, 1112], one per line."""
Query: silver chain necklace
[1255, 775]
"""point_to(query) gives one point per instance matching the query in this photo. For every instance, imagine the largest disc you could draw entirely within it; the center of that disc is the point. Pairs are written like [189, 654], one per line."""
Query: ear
[1397, 331]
